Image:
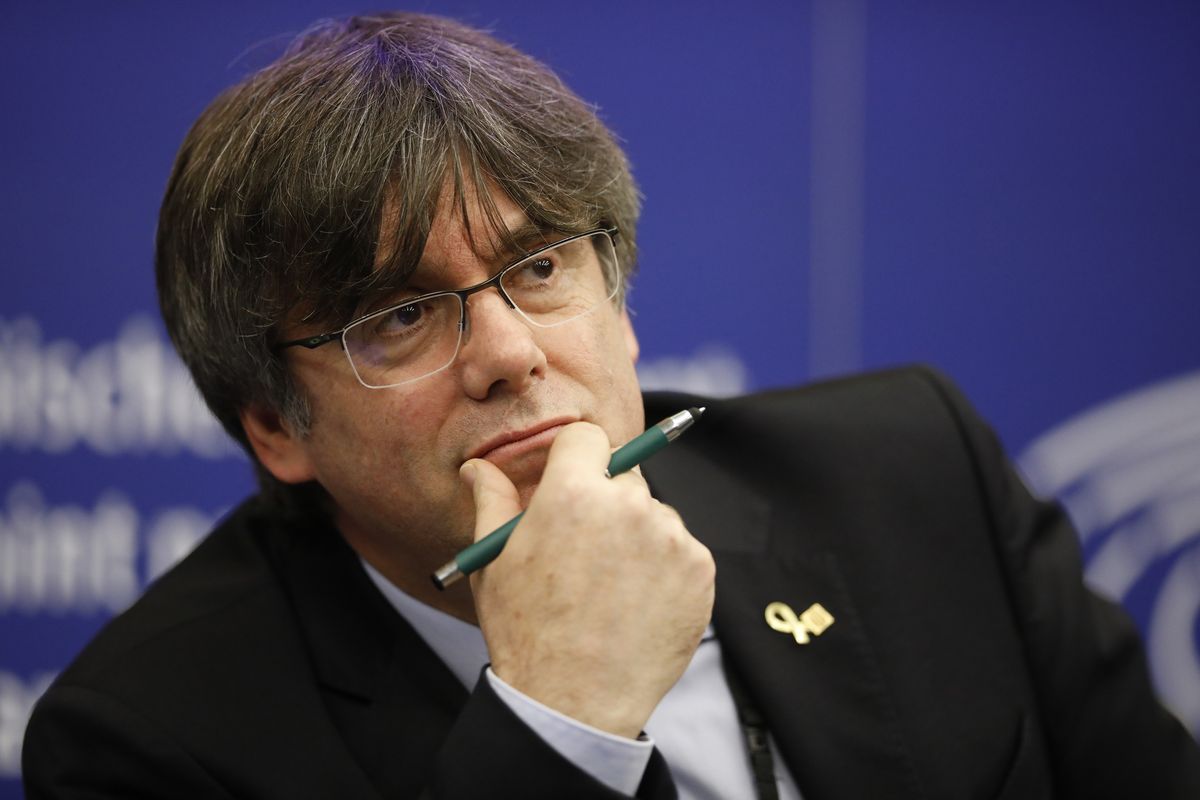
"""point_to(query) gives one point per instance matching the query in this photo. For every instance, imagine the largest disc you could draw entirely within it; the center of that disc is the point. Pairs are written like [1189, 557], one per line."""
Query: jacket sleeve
[1108, 735]
[491, 753]
[81, 743]
[84, 743]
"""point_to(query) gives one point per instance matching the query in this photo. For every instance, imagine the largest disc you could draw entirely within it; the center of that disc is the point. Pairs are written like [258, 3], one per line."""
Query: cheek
[382, 464]
[368, 433]
[612, 377]
[617, 343]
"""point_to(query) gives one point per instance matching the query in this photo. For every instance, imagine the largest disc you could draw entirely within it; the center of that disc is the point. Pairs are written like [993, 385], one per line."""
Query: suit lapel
[385, 690]
[825, 701]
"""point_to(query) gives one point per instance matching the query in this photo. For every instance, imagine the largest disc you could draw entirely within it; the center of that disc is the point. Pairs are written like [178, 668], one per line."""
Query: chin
[526, 485]
[525, 492]
[525, 473]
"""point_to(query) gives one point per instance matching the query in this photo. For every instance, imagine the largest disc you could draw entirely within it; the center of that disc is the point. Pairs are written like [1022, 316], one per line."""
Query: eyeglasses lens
[410, 341]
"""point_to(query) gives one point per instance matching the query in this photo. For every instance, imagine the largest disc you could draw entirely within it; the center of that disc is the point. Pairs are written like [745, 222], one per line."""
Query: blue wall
[1007, 192]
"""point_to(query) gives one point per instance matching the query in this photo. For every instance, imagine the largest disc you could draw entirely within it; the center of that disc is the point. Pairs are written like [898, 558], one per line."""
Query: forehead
[461, 213]
[471, 228]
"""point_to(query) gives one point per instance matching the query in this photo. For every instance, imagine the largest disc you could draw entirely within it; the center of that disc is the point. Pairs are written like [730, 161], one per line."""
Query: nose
[499, 352]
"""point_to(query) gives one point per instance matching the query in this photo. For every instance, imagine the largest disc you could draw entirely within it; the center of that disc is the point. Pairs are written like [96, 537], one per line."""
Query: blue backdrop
[1008, 193]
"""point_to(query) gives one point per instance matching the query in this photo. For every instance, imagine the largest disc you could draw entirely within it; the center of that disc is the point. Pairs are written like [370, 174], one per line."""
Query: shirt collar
[458, 644]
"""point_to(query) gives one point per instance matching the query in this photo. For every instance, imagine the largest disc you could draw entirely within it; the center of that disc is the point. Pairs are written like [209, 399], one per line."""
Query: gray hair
[275, 207]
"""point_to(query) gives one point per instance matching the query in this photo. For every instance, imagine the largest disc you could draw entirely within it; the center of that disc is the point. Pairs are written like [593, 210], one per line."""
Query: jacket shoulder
[221, 588]
[903, 410]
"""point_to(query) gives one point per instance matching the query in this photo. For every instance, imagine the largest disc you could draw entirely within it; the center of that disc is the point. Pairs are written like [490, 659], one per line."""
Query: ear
[631, 342]
[277, 446]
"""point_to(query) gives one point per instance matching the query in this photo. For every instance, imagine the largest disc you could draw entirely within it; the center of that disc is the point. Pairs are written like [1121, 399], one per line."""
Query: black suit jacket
[966, 659]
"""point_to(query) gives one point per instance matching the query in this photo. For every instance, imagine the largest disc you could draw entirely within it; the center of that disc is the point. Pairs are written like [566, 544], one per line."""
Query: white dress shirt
[695, 726]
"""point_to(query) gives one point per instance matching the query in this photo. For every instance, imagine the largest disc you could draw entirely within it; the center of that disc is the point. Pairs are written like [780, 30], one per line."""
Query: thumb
[496, 499]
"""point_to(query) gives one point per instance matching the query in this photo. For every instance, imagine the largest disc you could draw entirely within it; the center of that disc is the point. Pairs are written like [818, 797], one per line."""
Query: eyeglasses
[421, 335]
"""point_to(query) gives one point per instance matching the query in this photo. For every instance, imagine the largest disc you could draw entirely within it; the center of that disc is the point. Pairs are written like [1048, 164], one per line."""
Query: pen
[646, 444]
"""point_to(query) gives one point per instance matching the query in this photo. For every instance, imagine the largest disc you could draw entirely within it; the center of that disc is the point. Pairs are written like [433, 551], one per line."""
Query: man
[395, 263]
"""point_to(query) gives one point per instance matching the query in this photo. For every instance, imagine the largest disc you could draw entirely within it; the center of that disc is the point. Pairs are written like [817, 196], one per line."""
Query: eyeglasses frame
[313, 342]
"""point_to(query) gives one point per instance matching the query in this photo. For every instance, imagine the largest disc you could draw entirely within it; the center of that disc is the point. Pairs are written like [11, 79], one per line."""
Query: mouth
[513, 444]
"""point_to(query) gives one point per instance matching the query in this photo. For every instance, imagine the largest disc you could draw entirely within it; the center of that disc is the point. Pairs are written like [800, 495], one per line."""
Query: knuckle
[572, 488]
[671, 514]
[701, 560]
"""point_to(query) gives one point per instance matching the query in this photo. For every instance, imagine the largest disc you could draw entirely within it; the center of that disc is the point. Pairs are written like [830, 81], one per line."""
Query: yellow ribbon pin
[815, 620]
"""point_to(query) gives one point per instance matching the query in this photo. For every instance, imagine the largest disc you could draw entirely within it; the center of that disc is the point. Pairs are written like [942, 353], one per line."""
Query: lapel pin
[815, 620]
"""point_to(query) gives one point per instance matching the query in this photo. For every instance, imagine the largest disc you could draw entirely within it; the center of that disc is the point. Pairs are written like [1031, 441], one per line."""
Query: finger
[671, 513]
[580, 446]
[633, 480]
[496, 499]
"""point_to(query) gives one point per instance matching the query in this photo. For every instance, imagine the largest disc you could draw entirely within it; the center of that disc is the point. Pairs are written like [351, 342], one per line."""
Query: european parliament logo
[1128, 473]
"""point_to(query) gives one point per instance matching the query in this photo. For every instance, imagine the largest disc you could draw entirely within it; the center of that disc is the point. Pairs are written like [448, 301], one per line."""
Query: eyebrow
[516, 242]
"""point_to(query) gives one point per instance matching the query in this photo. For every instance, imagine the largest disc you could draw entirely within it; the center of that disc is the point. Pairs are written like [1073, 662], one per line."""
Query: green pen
[483, 552]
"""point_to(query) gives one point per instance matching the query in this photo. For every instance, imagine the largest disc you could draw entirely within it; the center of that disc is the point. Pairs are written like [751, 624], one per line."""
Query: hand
[601, 595]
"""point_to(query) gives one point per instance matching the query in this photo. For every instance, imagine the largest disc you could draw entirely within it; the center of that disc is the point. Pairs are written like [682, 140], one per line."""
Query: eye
[539, 273]
[407, 315]
[401, 320]
[541, 269]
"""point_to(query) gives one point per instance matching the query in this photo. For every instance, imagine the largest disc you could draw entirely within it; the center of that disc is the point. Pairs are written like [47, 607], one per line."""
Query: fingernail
[467, 473]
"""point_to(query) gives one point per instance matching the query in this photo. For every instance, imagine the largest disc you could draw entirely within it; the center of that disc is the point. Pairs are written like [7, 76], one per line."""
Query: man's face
[390, 457]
